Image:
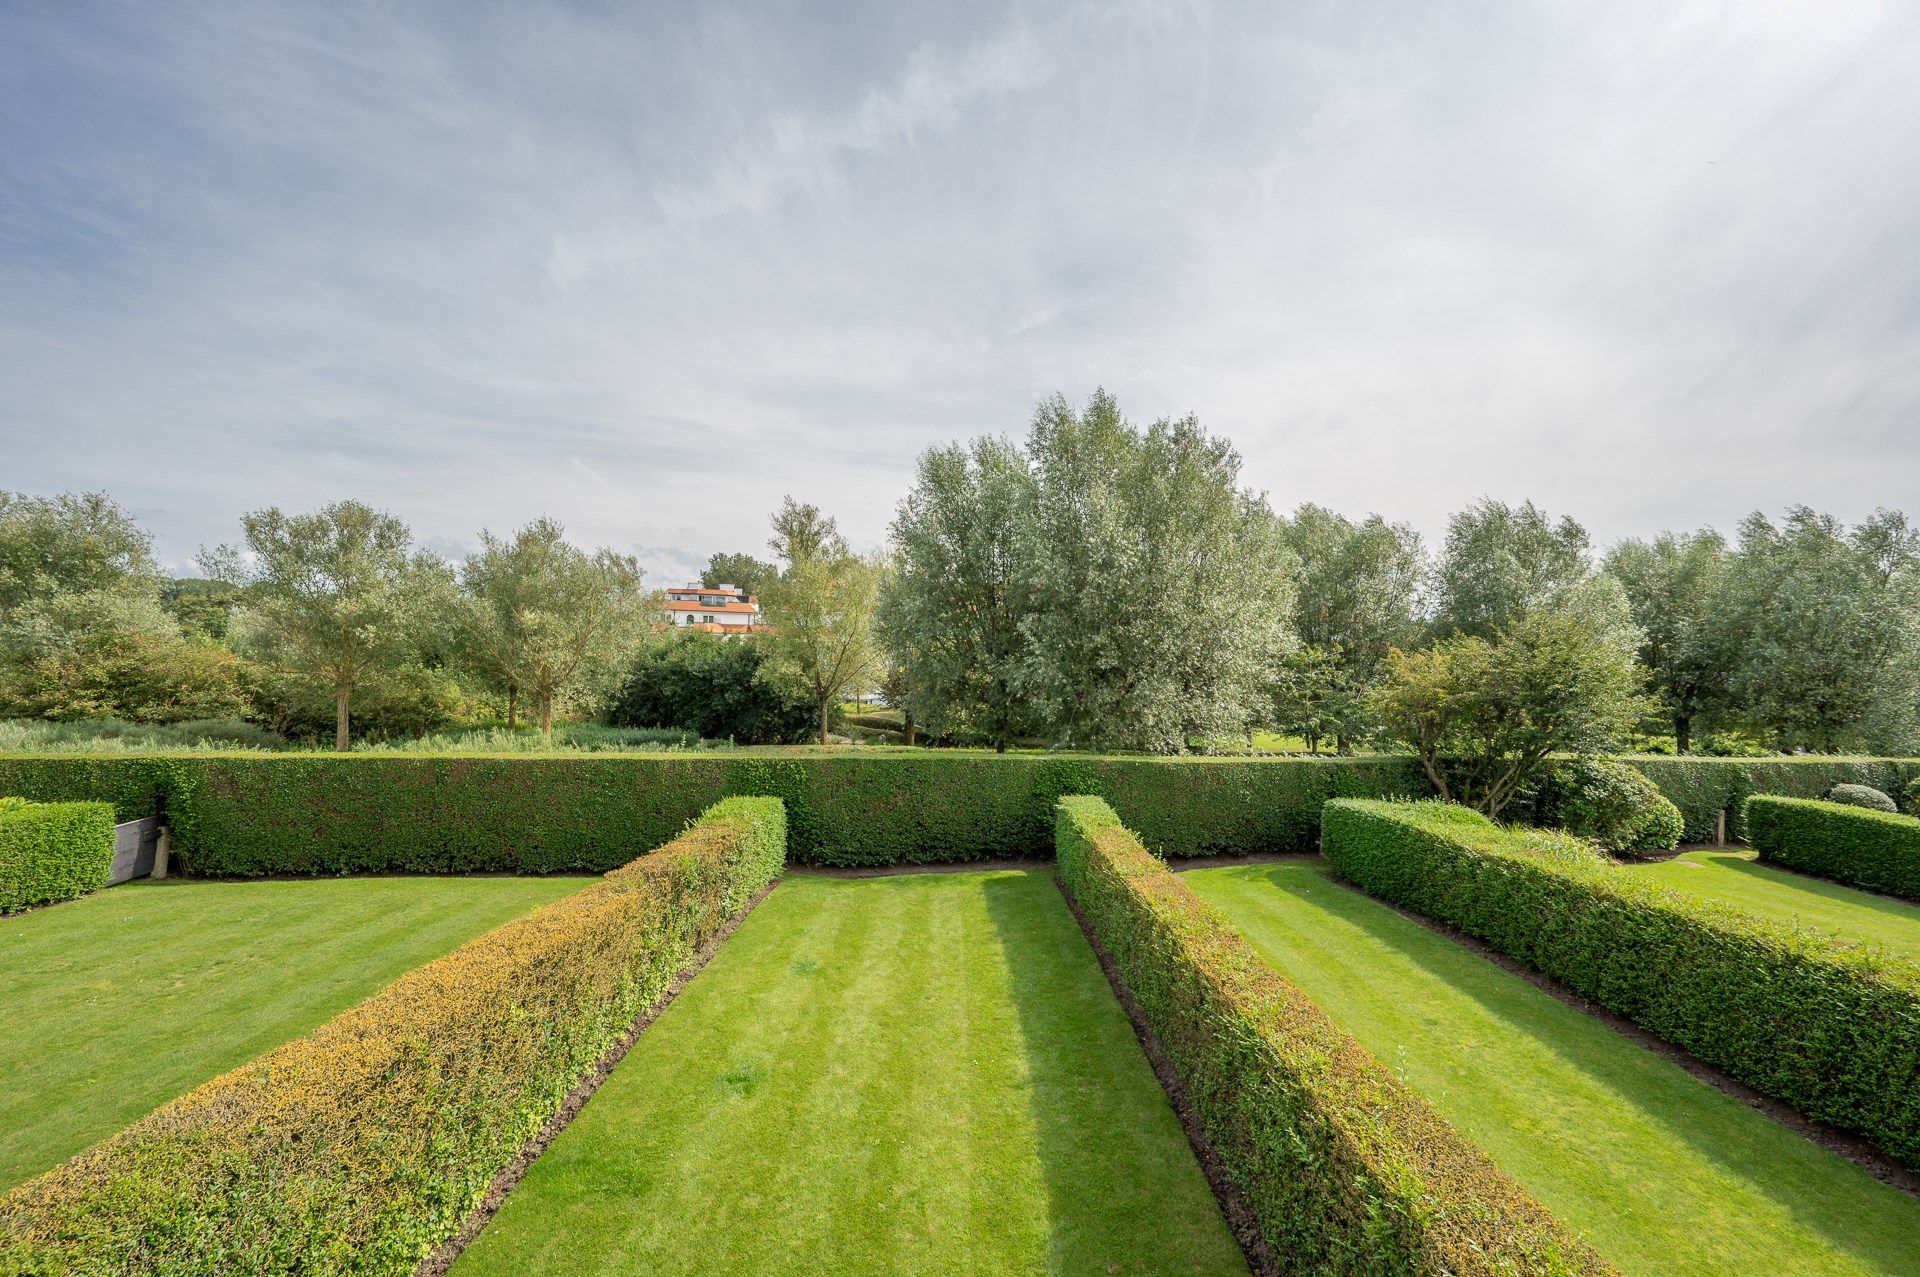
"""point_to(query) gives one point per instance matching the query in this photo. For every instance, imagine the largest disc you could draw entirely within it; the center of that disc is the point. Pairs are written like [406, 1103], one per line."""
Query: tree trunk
[907, 716]
[513, 706]
[1683, 732]
[823, 718]
[999, 744]
[340, 695]
[546, 713]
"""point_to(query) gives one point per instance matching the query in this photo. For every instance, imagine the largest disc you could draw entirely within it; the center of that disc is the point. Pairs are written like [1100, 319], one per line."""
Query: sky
[649, 268]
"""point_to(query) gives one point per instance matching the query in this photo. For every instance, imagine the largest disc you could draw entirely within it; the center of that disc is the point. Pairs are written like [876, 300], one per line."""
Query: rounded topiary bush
[1613, 805]
[1862, 796]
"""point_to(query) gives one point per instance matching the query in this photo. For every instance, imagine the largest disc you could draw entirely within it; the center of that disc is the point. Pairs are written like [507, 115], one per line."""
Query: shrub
[52, 851]
[1704, 787]
[715, 687]
[1832, 1029]
[360, 1148]
[1343, 1167]
[1860, 796]
[1859, 846]
[1912, 792]
[1611, 804]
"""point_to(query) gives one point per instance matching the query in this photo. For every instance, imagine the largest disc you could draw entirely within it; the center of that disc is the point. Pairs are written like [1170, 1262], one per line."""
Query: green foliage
[336, 597]
[1343, 1167]
[1862, 847]
[1483, 717]
[716, 687]
[360, 1148]
[1860, 796]
[114, 735]
[74, 543]
[1704, 787]
[546, 618]
[201, 608]
[1611, 804]
[1501, 562]
[1317, 698]
[742, 570]
[1162, 591]
[822, 611]
[318, 813]
[952, 614]
[52, 851]
[1912, 793]
[1674, 587]
[1828, 627]
[1832, 1029]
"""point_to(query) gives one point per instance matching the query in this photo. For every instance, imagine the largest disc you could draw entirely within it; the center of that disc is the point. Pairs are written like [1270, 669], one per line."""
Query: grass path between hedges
[118, 1002]
[1737, 878]
[914, 1074]
[1662, 1173]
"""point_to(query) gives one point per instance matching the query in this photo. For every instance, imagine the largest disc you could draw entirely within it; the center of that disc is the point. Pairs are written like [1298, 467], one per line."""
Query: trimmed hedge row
[1855, 845]
[52, 851]
[1832, 1029]
[1703, 787]
[256, 814]
[362, 1147]
[1345, 1169]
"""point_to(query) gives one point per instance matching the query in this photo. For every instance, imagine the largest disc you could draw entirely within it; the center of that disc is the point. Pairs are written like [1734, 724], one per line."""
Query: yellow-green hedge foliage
[52, 851]
[1345, 1169]
[360, 1148]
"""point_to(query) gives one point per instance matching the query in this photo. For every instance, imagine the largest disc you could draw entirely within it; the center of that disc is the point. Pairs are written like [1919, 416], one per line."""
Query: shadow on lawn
[1839, 893]
[1635, 1074]
[1104, 1132]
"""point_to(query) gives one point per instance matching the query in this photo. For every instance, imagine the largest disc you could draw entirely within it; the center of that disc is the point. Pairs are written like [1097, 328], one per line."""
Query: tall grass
[116, 736]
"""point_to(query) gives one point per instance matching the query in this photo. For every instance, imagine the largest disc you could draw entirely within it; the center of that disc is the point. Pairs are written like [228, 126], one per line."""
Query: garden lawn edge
[1831, 1029]
[1344, 1168]
[362, 1147]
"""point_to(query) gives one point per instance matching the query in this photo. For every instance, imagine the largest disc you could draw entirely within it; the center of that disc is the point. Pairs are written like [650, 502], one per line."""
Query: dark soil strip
[945, 867]
[1831, 1138]
[1240, 1217]
[443, 1256]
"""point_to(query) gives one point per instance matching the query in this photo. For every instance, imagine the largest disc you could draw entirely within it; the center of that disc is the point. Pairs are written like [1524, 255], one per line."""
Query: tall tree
[951, 615]
[548, 618]
[73, 543]
[338, 595]
[743, 570]
[821, 609]
[1828, 622]
[1675, 588]
[1162, 591]
[1501, 560]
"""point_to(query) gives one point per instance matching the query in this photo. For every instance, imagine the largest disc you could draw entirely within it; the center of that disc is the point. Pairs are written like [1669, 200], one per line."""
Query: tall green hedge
[1343, 1167]
[358, 1149]
[1832, 1029]
[134, 784]
[1704, 787]
[255, 814]
[1855, 845]
[52, 851]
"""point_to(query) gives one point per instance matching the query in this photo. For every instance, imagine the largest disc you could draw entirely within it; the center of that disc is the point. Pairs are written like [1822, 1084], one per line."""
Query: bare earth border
[1832, 1138]
[442, 1257]
[1233, 1205]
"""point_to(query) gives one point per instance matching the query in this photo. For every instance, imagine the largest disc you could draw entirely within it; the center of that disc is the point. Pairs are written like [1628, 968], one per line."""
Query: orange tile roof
[691, 605]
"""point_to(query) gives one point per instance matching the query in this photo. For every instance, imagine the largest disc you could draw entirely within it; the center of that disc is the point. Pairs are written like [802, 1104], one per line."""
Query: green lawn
[1736, 878]
[1662, 1173]
[117, 1002]
[911, 1074]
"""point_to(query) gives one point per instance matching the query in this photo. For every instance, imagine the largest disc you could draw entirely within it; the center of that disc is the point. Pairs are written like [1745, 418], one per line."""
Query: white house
[717, 609]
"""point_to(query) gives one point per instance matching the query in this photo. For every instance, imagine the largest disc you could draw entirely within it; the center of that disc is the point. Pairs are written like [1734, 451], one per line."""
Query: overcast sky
[649, 267]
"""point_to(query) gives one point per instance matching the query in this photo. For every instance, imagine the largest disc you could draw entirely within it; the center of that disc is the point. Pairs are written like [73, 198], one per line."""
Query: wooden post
[161, 852]
[1720, 829]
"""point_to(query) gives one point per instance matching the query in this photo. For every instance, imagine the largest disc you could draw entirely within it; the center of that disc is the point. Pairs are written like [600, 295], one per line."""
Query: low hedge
[1704, 787]
[52, 851]
[256, 814]
[1830, 1028]
[360, 1148]
[1859, 846]
[1345, 1169]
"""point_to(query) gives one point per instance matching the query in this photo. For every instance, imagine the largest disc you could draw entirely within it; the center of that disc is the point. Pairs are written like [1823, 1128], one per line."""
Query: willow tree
[821, 609]
[546, 618]
[339, 596]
